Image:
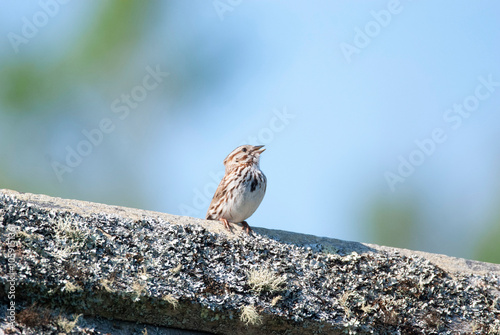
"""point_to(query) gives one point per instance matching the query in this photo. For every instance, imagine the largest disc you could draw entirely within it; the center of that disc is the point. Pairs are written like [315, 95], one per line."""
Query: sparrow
[242, 188]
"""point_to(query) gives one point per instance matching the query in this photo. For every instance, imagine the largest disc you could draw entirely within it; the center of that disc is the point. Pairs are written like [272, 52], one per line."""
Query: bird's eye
[244, 149]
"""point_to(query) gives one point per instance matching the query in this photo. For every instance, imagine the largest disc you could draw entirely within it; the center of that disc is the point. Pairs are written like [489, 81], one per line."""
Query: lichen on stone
[187, 276]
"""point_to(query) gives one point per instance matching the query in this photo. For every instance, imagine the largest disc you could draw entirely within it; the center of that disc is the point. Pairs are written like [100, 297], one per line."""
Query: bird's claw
[244, 225]
[226, 224]
[247, 228]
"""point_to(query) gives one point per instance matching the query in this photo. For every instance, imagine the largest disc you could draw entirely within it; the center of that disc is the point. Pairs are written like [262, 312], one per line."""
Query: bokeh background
[340, 92]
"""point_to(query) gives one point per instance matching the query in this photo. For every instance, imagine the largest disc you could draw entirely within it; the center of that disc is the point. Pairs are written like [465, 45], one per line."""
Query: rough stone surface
[69, 257]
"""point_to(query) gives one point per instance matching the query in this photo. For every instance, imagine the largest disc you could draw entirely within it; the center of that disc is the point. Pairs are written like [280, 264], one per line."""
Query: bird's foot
[226, 224]
[247, 228]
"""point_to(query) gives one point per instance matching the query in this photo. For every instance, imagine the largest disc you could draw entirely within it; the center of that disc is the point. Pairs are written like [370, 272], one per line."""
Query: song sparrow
[242, 188]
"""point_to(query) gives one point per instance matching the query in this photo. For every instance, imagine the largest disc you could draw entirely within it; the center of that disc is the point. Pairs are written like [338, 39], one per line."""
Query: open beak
[259, 149]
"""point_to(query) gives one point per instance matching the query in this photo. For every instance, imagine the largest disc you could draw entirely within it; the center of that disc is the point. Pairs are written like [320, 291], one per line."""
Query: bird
[241, 190]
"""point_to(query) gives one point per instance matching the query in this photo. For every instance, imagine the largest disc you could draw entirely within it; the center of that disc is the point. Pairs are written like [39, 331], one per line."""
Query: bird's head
[244, 155]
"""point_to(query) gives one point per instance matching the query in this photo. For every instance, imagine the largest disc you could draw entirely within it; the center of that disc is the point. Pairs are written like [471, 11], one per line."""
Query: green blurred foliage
[111, 38]
[40, 91]
[393, 224]
[25, 85]
[488, 247]
[104, 46]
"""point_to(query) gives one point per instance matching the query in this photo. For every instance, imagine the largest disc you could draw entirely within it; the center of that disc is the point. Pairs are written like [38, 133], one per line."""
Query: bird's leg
[246, 227]
[226, 224]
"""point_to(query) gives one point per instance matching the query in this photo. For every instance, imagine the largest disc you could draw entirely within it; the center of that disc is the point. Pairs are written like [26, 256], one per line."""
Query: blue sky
[349, 118]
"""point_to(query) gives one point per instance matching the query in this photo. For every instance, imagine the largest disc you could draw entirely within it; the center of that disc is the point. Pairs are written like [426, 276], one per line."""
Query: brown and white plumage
[242, 188]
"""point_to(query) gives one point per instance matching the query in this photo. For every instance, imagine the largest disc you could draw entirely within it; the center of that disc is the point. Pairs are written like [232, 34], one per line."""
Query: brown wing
[215, 204]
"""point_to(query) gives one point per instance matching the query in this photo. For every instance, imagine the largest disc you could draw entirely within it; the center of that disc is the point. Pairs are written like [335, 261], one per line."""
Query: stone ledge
[186, 273]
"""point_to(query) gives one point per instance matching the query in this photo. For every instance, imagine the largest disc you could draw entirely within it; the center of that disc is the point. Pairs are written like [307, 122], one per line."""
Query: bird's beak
[259, 149]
